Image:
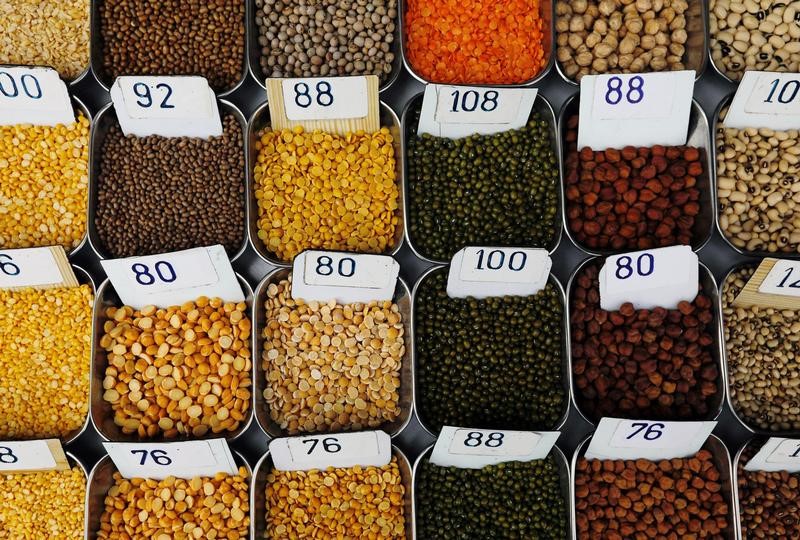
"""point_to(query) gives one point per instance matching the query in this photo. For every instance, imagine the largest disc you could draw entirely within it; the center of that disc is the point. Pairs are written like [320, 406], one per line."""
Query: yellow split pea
[44, 184]
[318, 190]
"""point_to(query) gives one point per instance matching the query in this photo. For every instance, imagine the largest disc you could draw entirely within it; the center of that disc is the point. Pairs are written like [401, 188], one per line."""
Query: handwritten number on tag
[160, 457]
[302, 94]
[792, 285]
[8, 268]
[488, 103]
[345, 268]
[475, 438]
[30, 85]
[781, 97]
[163, 269]
[796, 452]
[7, 456]
[329, 444]
[652, 431]
[645, 265]
[635, 92]
[497, 258]
[143, 91]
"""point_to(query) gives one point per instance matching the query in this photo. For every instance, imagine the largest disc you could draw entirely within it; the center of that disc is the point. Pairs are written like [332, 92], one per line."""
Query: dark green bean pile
[492, 190]
[494, 363]
[507, 501]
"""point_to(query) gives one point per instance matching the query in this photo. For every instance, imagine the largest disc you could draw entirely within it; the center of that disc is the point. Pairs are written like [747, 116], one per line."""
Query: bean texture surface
[177, 371]
[158, 194]
[492, 363]
[496, 190]
[318, 190]
[356, 502]
[331, 367]
[45, 357]
[44, 184]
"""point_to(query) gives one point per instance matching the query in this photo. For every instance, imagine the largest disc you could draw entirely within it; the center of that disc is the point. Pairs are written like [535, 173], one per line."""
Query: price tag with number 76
[185, 459]
[617, 438]
[364, 448]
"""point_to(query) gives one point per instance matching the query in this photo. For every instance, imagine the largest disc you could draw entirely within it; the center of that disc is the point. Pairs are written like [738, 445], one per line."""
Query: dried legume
[673, 498]
[176, 37]
[642, 363]
[632, 198]
[447, 43]
[620, 36]
[43, 505]
[45, 357]
[318, 190]
[44, 184]
[177, 509]
[326, 38]
[331, 367]
[357, 502]
[758, 188]
[491, 363]
[505, 501]
[158, 194]
[761, 345]
[768, 501]
[182, 370]
[754, 35]
[499, 190]
[51, 33]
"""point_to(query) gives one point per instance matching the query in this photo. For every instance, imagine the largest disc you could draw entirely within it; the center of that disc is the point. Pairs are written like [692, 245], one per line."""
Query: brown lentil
[326, 38]
[645, 363]
[177, 509]
[620, 36]
[331, 367]
[754, 35]
[45, 357]
[157, 194]
[758, 188]
[761, 345]
[318, 190]
[673, 498]
[632, 198]
[175, 37]
[768, 501]
[44, 184]
[182, 370]
[43, 505]
[356, 502]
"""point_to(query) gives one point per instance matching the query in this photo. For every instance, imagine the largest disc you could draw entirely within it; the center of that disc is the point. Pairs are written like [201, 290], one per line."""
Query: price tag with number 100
[482, 272]
[470, 448]
[620, 110]
[343, 277]
[33, 95]
[616, 438]
[365, 448]
[766, 100]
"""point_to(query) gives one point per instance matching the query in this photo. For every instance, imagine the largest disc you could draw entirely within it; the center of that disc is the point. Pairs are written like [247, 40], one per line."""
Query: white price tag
[460, 111]
[783, 279]
[33, 95]
[170, 279]
[621, 110]
[344, 277]
[616, 438]
[661, 277]
[338, 450]
[29, 267]
[482, 272]
[325, 98]
[468, 448]
[777, 454]
[185, 459]
[31, 456]
[766, 100]
[169, 106]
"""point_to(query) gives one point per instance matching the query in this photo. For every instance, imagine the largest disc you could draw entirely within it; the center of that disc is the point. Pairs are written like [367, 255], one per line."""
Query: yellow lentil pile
[51, 33]
[363, 503]
[331, 367]
[45, 354]
[42, 505]
[44, 183]
[178, 370]
[177, 509]
[317, 190]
